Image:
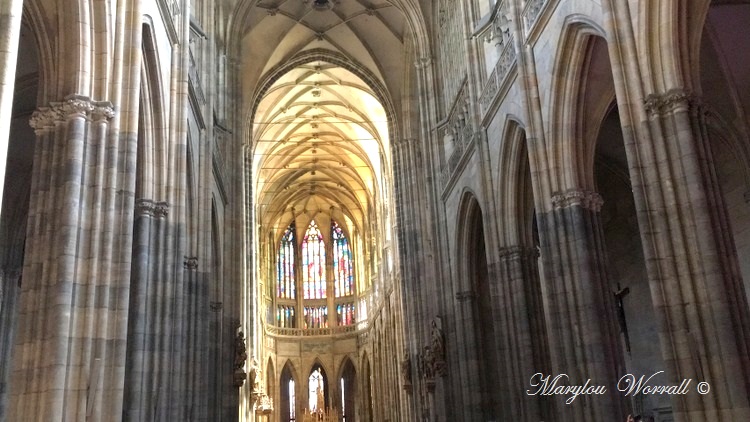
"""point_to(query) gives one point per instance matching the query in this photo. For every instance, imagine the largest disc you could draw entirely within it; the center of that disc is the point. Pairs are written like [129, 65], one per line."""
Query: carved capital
[144, 208]
[574, 197]
[191, 263]
[103, 110]
[161, 209]
[150, 208]
[43, 119]
[671, 101]
[74, 106]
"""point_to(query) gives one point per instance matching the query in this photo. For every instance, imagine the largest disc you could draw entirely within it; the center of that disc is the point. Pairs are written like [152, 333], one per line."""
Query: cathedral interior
[375, 210]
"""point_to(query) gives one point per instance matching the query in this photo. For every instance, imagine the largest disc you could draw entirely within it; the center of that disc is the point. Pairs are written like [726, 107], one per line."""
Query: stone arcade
[374, 210]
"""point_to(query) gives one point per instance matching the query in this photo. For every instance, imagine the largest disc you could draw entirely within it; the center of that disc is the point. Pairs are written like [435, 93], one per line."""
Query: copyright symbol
[703, 388]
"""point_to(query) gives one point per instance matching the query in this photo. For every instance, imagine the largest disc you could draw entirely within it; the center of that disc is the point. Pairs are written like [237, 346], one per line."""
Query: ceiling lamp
[321, 5]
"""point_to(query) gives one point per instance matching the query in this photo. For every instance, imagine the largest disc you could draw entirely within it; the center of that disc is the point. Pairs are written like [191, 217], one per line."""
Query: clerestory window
[315, 266]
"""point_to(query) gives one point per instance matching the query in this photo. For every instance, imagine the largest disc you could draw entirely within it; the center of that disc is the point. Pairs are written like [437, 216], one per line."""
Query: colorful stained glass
[285, 316]
[316, 317]
[313, 263]
[285, 285]
[345, 314]
[343, 269]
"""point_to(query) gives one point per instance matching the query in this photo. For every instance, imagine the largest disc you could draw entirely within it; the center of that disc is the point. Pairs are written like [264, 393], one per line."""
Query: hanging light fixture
[320, 5]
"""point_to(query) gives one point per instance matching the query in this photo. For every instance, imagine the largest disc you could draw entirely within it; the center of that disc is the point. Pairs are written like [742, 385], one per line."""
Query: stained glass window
[343, 272]
[345, 314]
[313, 263]
[316, 317]
[285, 316]
[285, 286]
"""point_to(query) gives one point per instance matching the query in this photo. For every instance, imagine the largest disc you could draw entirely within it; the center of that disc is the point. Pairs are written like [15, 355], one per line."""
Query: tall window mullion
[285, 286]
[342, 262]
[313, 262]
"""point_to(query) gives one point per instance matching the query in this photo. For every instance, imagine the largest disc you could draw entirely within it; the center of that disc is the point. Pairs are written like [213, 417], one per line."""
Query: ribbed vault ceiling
[320, 135]
[319, 132]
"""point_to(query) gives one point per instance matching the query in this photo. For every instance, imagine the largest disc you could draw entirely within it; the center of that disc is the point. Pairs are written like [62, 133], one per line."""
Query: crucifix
[619, 296]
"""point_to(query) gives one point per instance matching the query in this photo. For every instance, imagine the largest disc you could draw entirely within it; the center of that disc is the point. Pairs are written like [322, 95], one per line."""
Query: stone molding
[671, 101]
[45, 118]
[576, 197]
[402, 142]
[518, 252]
[423, 62]
[465, 296]
[150, 208]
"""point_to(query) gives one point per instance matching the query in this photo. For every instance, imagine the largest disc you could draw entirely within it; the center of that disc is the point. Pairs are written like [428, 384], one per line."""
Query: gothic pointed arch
[289, 394]
[571, 97]
[318, 389]
[347, 388]
[481, 401]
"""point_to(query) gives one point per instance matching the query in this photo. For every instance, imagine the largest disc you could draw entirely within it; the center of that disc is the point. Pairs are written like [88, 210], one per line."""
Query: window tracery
[313, 263]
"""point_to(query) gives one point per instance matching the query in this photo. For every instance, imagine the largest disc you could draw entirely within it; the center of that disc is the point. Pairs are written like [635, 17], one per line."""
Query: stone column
[10, 280]
[583, 337]
[692, 262]
[10, 29]
[468, 357]
[67, 358]
[519, 302]
[146, 300]
[407, 165]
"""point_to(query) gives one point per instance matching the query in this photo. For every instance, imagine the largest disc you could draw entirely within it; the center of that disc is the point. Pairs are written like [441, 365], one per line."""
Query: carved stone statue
[427, 363]
[254, 373]
[438, 340]
[240, 350]
[406, 368]
[240, 356]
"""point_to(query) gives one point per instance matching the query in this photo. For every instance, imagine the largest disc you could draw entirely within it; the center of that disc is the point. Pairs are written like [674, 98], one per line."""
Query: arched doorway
[347, 385]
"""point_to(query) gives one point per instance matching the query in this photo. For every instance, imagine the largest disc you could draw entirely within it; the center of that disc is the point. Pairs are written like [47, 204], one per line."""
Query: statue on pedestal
[254, 373]
[427, 368]
[240, 356]
[406, 368]
[438, 347]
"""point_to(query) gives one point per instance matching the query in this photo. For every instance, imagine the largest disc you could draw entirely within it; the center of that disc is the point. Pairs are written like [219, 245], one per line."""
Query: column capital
[45, 117]
[584, 198]
[659, 104]
[150, 208]
[191, 263]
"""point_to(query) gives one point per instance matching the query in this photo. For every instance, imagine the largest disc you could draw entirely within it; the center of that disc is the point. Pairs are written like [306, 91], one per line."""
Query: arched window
[287, 394]
[302, 263]
[343, 273]
[313, 263]
[285, 287]
[292, 404]
[317, 388]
